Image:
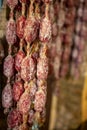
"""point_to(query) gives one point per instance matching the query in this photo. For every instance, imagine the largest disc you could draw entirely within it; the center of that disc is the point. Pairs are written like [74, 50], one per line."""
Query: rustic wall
[69, 105]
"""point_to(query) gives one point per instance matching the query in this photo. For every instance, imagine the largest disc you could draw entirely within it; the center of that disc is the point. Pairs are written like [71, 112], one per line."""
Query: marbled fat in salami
[9, 66]
[20, 26]
[18, 59]
[7, 96]
[45, 30]
[14, 118]
[17, 90]
[40, 100]
[27, 69]
[11, 32]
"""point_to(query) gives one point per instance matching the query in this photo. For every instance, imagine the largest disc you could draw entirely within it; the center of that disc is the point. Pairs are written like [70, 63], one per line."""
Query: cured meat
[18, 59]
[67, 38]
[85, 15]
[33, 89]
[7, 96]
[12, 3]
[14, 118]
[70, 16]
[31, 29]
[27, 69]
[17, 90]
[40, 100]
[64, 70]
[9, 66]
[70, 3]
[47, 1]
[20, 26]
[75, 54]
[38, 1]
[45, 30]
[31, 117]
[54, 30]
[23, 1]
[42, 68]
[24, 102]
[11, 32]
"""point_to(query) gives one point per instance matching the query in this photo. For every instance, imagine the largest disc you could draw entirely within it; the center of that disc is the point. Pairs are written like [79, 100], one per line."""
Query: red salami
[9, 66]
[7, 96]
[24, 103]
[31, 29]
[20, 26]
[54, 30]
[23, 1]
[12, 3]
[40, 100]
[45, 30]
[27, 69]
[11, 32]
[42, 68]
[14, 118]
[17, 90]
[18, 59]
[38, 1]
[70, 3]
[64, 70]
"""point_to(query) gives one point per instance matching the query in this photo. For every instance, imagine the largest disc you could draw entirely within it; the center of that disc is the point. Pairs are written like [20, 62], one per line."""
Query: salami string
[42, 68]
[29, 91]
[18, 88]
[77, 51]
[9, 61]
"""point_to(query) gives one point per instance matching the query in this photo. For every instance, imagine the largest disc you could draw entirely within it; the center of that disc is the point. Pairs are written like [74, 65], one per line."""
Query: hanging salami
[17, 90]
[9, 66]
[11, 32]
[14, 118]
[7, 97]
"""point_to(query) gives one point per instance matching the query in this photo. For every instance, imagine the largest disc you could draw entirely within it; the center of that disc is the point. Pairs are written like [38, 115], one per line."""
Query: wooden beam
[84, 101]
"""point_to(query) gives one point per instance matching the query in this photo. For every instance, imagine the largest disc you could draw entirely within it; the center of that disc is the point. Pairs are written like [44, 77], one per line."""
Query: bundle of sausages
[24, 100]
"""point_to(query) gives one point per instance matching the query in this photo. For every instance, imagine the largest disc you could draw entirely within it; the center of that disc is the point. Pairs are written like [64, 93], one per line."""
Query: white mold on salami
[7, 96]
[11, 32]
[9, 66]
